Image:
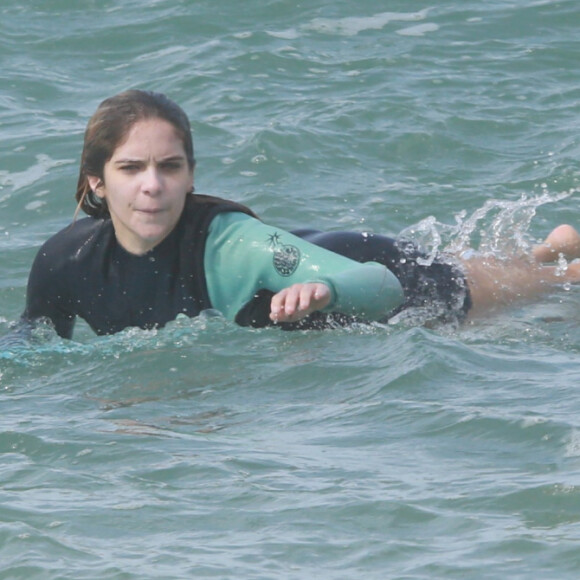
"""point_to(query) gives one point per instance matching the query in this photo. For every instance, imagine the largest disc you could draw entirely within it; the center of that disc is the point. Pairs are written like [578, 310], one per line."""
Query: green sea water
[204, 450]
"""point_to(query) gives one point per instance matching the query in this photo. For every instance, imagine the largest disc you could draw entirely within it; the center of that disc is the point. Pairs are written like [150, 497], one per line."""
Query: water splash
[42, 345]
[499, 228]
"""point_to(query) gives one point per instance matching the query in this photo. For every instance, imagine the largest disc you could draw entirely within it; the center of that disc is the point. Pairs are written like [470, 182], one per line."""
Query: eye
[129, 167]
[172, 165]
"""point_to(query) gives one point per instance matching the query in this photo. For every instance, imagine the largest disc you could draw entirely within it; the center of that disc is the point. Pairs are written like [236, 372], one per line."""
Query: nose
[152, 180]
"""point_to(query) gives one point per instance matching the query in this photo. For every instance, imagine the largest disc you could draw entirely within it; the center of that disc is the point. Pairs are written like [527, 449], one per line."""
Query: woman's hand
[298, 301]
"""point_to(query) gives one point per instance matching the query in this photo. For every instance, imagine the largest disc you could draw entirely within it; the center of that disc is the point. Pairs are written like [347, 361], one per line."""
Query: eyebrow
[171, 158]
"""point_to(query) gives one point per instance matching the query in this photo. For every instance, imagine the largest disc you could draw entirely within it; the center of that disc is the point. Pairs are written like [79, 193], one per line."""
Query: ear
[96, 184]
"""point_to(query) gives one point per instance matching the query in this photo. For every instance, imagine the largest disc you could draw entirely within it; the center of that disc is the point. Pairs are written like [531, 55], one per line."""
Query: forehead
[149, 137]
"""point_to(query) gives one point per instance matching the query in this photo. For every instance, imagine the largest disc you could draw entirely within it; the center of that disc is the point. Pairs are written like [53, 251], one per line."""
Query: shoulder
[208, 205]
[232, 219]
[235, 228]
[74, 241]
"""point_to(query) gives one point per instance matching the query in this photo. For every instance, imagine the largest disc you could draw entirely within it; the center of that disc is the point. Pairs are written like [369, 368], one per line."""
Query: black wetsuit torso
[83, 271]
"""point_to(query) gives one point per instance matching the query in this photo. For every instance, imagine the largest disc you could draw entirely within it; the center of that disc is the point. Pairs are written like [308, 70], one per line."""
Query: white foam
[33, 174]
[289, 34]
[419, 30]
[34, 205]
[572, 448]
[350, 26]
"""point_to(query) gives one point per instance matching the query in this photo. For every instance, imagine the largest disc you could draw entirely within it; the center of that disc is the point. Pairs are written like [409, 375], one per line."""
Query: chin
[154, 235]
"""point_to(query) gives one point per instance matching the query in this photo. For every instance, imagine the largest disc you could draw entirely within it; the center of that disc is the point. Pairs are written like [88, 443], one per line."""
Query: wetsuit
[218, 256]
[434, 286]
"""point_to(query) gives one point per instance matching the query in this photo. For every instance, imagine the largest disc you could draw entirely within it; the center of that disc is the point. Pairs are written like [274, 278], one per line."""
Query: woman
[151, 249]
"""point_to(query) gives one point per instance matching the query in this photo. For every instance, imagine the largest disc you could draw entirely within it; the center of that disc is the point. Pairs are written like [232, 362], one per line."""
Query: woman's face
[145, 184]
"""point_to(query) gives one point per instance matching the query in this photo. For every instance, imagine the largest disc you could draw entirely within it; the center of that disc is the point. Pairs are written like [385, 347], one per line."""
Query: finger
[303, 299]
[292, 299]
[306, 297]
[322, 296]
[284, 304]
[298, 301]
[277, 305]
[311, 297]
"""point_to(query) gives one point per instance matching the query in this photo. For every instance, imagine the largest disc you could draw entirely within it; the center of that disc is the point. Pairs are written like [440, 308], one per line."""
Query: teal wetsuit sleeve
[244, 255]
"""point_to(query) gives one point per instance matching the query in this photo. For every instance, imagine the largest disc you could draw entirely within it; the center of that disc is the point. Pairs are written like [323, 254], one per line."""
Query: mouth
[149, 211]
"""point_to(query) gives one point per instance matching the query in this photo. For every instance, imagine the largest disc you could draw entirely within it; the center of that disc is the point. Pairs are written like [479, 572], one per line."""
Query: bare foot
[563, 240]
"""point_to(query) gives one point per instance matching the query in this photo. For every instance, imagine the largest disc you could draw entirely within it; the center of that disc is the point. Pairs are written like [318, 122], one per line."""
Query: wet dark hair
[109, 127]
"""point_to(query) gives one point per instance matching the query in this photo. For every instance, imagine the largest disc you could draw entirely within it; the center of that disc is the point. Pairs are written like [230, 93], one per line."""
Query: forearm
[244, 256]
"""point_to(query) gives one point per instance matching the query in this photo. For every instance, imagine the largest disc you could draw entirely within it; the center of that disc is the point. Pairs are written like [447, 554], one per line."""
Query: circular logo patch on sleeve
[286, 256]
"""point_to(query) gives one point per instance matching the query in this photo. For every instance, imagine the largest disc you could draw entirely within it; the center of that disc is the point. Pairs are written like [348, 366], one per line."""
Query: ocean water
[204, 450]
